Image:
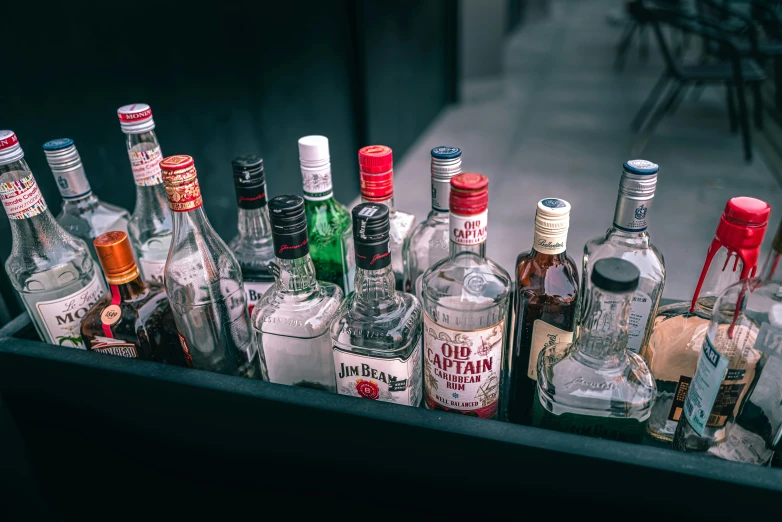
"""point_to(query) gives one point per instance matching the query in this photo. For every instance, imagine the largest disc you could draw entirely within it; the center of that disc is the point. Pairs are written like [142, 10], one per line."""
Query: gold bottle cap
[116, 257]
[181, 181]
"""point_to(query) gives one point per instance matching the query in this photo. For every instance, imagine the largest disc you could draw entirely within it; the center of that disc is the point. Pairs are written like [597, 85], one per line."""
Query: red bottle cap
[376, 163]
[469, 194]
[743, 223]
[134, 113]
[8, 139]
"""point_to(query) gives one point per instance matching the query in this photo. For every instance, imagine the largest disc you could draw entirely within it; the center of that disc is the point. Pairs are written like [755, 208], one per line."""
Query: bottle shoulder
[396, 328]
[468, 277]
[297, 315]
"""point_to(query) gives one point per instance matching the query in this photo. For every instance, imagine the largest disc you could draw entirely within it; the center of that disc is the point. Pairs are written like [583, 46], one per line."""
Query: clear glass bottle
[291, 322]
[377, 331]
[465, 300]
[53, 271]
[629, 239]
[252, 245]
[328, 222]
[83, 214]
[204, 282]
[150, 227]
[679, 328]
[595, 386]
[376, 171]
[546, 304]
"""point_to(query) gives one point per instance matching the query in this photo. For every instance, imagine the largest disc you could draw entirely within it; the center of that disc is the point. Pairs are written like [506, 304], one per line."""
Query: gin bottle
[377, 331]
[429, 240]
[83, 214]
[150, 224]
[595, 386]
[204, 282]
[252, 246]
[291, 321]
[376, 165]
[53, 271]
[679, 328]
[328, 222]
[465, 300]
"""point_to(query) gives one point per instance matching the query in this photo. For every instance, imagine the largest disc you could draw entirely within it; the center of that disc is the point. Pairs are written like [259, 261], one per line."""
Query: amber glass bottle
[134, 319]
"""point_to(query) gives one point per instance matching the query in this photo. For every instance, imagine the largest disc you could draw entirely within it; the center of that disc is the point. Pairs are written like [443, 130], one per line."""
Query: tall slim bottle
[53, 271]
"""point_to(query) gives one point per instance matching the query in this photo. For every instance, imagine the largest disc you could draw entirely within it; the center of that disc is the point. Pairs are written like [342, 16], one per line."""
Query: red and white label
[135, 112]
[8, 139]
[22, 198]
[145, 165]
[469, 230]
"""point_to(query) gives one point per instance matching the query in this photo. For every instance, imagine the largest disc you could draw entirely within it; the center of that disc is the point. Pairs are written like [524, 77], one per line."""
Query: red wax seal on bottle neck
[469, 194]
[376, 164]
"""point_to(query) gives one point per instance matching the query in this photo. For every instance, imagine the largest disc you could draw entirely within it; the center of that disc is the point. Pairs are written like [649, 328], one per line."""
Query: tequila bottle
[377, 332]
[328, 222]
[465, 301]
[679, 328]
[83, 214]
[204, 282]
[596, 386]
[53, 271]
[252, 246]
[150, 225]
[291, 321]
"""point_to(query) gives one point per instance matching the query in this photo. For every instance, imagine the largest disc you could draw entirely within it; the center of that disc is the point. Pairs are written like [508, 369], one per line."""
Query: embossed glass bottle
[596, 386]
[465, 301]
[204, 282]
[291, 322]
[377, 332]
[150, 225]
[53, 271]
[429, 241]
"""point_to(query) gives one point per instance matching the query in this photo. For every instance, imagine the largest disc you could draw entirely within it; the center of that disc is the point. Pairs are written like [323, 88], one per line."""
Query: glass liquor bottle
[679, 328]
[377, 331]
[252, 246]
[546, 303]
[629, 239]
[429, 241]
[83, 214]
[53, 271]
[596, 386]
[204, 282]
[134, 319]
[328, 222]
[376, 166]
[291, 322]
[150, 226]
[465, 299]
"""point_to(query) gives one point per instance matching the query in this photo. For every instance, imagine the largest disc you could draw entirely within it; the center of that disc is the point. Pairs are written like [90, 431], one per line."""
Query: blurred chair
[635, 26]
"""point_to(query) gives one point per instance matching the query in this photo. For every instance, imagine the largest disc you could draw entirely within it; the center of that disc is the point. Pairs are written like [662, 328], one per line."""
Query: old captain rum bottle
[53, 271]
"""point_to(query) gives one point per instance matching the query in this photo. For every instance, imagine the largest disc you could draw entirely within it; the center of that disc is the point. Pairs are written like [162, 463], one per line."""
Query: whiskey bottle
[134, 319]
[596, 386]
[679, 328]
[252, 246]
[53, 271]
[376, 165]
[204, 282]
[150, 225]
[465, 301]
[377, 331]
[291, 321]
[546, 303]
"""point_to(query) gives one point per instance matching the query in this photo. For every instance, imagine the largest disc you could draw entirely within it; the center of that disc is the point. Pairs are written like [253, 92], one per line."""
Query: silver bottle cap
[135, 118]
[446, 163]
[65, 162]
[636, 191]
[10, 150]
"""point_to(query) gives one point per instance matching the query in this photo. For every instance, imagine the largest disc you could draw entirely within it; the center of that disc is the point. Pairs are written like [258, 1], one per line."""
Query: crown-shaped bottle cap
[135, 118]
[10, 150]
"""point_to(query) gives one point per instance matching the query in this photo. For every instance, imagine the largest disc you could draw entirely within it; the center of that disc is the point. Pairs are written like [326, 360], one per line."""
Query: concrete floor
[557, 124]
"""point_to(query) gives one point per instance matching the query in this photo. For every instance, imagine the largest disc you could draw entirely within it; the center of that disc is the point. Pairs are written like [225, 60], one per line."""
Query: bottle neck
[770, 265]
[296, 276]
[604, 331]
[128, 291]
[389, 202]
[23, 202]
[73, 184]
[722, 268]
[632, 215]
[468, 234]
[375, 287]
[441, 193]
[254, 223]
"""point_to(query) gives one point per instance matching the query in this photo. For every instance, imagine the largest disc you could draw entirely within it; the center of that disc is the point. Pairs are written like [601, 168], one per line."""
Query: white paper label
[22, 198]
[153, 270]
[640, 306]
[145, 165]
[705, 386]
[543, 336]
[62, 317]
[441, 193]
[550, 243]
[469, 230]
[742, 446]
[316, 182]
[254, 291]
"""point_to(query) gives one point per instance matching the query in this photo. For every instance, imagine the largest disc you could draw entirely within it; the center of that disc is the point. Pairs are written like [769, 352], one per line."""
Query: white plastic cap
[552, 215]
[313, 149]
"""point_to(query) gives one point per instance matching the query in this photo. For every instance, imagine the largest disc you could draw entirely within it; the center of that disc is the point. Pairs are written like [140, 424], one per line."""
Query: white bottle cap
[313, 150]
[552, 220]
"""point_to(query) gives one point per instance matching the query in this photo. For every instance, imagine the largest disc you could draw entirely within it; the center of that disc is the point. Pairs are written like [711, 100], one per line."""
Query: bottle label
[441, 193]
[469, 230]
[462, 369]
[317, 182]
[113, 347]
[22, 198]
[255, 291]
[62, 317]
[388, 380]
[640, 307]
[153, 270]
[73, 184]
[705, 386]
[145, 165]
[543, 336]
[744, 446]
[550, 243]
[679, 397]
[251, 197]
[769, 340]
[630, 214]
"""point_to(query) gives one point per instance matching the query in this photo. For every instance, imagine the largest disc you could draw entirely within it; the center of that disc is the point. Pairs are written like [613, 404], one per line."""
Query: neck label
[22, 198]
[372, 257]
[550, 243]
[73, 184]
[250, 198]
[184, 198]
[145, 165]
[469, 230]
[291, 246]
[631, 214]
[317, 182]
[441, 194]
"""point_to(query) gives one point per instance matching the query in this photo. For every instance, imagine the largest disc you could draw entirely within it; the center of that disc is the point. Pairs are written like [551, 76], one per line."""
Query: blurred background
[545, 97]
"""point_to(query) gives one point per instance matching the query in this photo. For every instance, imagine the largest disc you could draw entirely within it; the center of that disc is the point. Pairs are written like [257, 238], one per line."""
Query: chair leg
[656, 117]
[624, 44]
[643, 46]
[744, 121]
[730, 99]
[758, 99]
[650, 102]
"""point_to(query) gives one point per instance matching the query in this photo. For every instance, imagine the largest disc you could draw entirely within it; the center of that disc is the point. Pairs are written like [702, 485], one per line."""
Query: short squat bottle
[291, 321]
[377, 332]
[595, 386]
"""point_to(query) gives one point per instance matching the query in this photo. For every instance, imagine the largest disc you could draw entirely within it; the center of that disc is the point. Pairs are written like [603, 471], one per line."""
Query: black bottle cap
[615, 275]
[371, 228]
[289, 227]
[249, 181]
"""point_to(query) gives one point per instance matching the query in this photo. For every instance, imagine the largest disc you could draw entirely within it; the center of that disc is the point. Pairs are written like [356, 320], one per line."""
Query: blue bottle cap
[58, 144]
[444, 152]
[641, 167]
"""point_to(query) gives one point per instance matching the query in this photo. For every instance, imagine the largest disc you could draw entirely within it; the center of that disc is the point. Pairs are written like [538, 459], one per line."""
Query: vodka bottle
[53, 271]
[204, 282]
[291, 321]
[377, 332]
[429, 241]
[465, 300]
[252, 246]
[83, 214]
[150, 225]
[376, 164]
